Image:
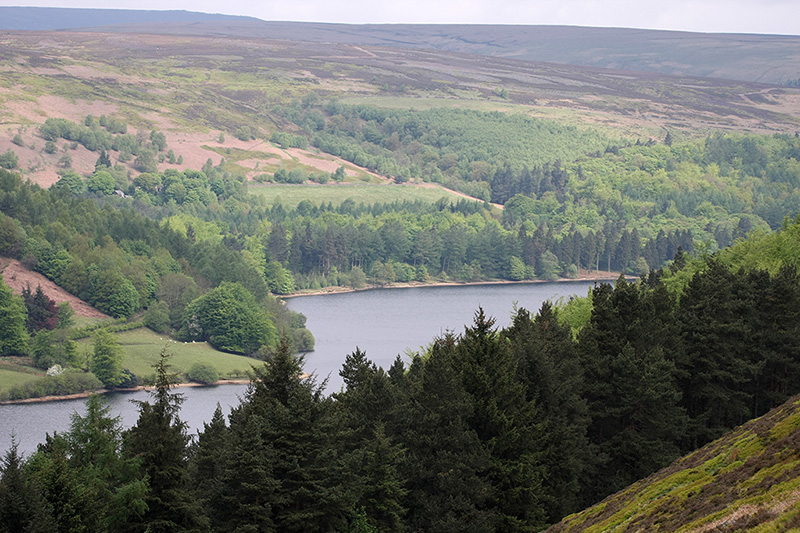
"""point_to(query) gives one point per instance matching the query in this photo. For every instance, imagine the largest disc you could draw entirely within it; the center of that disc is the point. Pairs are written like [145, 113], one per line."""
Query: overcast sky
[736, 16]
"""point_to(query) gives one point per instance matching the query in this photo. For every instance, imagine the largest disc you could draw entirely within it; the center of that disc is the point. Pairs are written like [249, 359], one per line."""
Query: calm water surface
[385, 323]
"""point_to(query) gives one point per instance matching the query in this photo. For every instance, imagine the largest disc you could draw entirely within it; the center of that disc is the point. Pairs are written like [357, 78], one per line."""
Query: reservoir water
[384, 323]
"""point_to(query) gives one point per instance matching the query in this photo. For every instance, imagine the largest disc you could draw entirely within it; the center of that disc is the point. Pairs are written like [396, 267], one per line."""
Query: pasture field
[12, 377]
[142, 347]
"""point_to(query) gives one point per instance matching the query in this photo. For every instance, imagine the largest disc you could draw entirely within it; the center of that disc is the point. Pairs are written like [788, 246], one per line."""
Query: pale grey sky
[731, 16]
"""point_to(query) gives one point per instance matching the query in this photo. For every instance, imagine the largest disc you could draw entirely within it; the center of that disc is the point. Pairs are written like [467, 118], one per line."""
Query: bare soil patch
[18, 277]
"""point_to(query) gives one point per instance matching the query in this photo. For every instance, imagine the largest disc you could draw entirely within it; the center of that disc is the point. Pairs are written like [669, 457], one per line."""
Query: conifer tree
[42, 311]
[371, 452]
[289, 420]
[84, 477]
[159, 442]
[630, 386]
[777, 336]
[207, 465]
[445, 461]
[505, 422]
[22, 507]
[717, 359]
[552, 375]
[247, 481]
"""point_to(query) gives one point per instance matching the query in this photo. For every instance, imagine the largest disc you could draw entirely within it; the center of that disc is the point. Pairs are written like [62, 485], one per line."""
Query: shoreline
[598, 276]
[86, 394]
[603, 275]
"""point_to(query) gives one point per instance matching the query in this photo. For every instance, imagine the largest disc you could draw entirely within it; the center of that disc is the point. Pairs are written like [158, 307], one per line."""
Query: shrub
[69, 382]
[303, 340]
[129, 380]
[9, 160]
[203, 373]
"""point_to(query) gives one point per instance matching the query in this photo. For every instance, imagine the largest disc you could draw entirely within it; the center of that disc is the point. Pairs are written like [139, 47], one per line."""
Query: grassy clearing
[291, 195]
[12, 378]
[142, 347]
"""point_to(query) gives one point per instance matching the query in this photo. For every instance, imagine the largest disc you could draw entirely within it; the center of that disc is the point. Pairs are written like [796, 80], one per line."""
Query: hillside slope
[745, 57]
[747, 480]
[773, 59]
[18, 278]
[195, 87]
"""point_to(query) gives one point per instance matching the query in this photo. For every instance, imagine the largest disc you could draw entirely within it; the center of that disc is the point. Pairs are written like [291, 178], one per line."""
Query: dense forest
[572, 200]
[489, 430]
[568, 175]
[625, 207]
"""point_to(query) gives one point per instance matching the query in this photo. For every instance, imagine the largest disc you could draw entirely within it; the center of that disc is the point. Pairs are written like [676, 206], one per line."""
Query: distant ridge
[58, 18]
[770, 59]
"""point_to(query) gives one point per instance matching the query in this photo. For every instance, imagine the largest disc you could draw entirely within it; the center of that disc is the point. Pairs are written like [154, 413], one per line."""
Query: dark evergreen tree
[291, 421]
[717, 360]
[42, 311]
[22, 507]
[159, 442]
[74, 506]
[87, 483]
[103, 162]
[248, 486]
[552, 375]
[630, 385]
[445, 462]
[777, 338]
[278, 244]
[206, 467]
[505, 421]
[372, 455]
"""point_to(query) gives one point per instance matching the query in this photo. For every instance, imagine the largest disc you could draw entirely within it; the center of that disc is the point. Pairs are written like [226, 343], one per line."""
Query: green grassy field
[142, 347]
[12, 378]
[291, 195]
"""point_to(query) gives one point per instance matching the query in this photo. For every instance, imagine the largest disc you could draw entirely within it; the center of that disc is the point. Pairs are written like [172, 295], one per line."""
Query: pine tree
[372, 454]
[717, 358]
[630, 385]
[22, 507]
[85, 480]
[159, 442]
[777, 337]
[552, 375]
[207, 464]
[505, 422]
[445, 461]
[291, 421]
[248, 485]
[42, 311]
